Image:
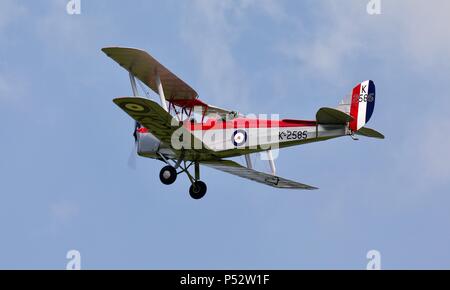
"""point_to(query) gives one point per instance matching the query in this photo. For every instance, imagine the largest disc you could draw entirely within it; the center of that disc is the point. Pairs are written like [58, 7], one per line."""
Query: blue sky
[65, 183]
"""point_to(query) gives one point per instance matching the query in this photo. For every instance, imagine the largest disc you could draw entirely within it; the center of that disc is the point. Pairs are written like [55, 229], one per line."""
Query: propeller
[133, 153]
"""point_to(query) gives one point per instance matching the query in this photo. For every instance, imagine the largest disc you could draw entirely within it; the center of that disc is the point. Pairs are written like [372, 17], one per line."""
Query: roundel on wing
[134, 107]
[239, 137]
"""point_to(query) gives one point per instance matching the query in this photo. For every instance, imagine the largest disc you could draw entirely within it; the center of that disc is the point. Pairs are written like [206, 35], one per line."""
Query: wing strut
[136, 123]
[133, 85]
[160, 91]
[271, 162]
[248, 160]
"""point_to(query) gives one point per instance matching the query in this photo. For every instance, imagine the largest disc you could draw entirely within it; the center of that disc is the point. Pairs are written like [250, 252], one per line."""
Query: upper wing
[261, 177]
[143, 66]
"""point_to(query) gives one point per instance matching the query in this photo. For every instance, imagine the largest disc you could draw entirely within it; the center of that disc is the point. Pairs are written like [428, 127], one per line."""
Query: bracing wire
[143, 89]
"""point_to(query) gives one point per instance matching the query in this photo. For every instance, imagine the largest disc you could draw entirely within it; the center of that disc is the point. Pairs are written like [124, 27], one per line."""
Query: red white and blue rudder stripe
[362, 104]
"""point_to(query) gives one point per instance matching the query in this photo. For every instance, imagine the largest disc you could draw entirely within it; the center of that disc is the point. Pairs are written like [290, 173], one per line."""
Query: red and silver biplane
[170, 132]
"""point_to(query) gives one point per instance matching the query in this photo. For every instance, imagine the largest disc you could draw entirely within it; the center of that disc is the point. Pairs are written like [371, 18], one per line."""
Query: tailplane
[364, 131]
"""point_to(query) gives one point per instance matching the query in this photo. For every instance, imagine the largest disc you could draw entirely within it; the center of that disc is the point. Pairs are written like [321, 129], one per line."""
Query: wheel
[197, 190]
[168, 175]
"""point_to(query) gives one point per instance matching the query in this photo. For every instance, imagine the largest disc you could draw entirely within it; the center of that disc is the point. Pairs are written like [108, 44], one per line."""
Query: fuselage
[229, 138]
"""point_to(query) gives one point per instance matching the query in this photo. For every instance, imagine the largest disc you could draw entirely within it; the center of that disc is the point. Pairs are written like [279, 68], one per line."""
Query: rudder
[362, 104]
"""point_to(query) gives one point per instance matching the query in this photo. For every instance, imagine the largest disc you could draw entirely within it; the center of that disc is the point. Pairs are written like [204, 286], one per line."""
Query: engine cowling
[147, 144]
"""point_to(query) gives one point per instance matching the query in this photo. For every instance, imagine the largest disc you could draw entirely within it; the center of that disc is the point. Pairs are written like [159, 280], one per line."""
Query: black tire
[168, 175]
[198, 189]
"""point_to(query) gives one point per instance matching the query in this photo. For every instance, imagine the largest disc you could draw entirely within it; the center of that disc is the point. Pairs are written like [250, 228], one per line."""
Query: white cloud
[434, 150]
[64, 211]
[322, 49]
[13, 88]
[61, 31]
[422, 28]
[273, 8]
[210, 28]
[208, 33]
[6, 91]
[423, 160]
[413, 31]
[10, 11]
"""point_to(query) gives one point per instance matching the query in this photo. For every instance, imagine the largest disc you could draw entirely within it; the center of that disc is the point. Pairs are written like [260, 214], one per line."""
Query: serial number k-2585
[293, 135]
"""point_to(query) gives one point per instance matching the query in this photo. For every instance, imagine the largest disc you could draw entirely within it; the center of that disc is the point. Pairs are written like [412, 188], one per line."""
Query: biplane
[184, 131]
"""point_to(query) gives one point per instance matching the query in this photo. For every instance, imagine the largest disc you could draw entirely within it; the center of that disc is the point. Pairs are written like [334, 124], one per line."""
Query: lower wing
[159, 122]
[234, 168]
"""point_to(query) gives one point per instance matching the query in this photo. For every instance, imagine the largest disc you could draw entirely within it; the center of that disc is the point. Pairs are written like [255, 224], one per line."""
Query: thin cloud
[10, 12]
[322, 51]
[421, 27]
[206, 29]
[210, 29]
[6, 91]
[427, 157]
[413, 31]
[64, 211]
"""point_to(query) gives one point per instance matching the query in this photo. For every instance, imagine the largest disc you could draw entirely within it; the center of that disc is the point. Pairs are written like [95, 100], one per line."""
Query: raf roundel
[134, 107]
[239, 137]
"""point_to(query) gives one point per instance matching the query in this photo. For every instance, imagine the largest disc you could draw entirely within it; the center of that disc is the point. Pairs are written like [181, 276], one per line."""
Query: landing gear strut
[168, 175]
[198, 188]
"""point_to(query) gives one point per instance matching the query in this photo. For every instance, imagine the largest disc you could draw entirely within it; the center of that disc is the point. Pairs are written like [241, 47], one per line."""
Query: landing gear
[197, 189]
[168, 175]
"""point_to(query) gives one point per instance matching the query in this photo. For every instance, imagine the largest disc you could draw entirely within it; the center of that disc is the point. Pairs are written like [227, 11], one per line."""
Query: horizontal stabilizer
[364, 131]
[332, 116]
[234, 168]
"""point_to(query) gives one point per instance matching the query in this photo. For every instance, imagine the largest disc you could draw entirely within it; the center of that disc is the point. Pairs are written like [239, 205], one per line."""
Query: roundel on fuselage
[239, 137]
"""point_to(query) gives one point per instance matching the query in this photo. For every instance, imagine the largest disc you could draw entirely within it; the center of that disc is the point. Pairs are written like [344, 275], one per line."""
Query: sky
[65, 183]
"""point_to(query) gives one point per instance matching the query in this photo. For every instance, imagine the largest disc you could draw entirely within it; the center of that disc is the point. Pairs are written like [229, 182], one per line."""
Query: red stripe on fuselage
[142, 130]
[354, 107]
[248, 123]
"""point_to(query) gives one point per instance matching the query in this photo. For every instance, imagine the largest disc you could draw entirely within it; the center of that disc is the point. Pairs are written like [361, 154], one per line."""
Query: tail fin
[360, 104]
